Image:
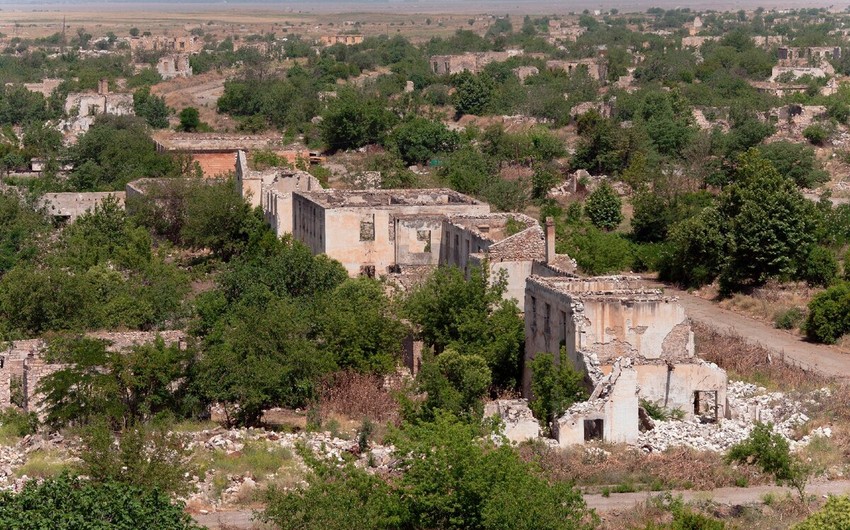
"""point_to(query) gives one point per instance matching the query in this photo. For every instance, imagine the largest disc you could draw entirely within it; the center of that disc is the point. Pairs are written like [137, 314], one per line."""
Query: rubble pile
[748, 404]
[13, 457]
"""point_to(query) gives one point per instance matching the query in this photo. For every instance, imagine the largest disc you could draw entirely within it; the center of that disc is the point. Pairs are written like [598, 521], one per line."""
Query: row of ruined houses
[630, 341]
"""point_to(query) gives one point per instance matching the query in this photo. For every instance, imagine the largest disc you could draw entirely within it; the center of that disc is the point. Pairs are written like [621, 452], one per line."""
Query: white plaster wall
[685, 379]
[621, 409]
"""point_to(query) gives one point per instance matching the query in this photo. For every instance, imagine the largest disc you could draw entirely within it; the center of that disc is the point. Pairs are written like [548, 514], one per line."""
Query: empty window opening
[705, 405]
[592, 430]
[367, 271]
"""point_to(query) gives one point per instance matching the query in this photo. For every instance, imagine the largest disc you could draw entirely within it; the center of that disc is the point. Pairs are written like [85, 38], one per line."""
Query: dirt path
[827, 360]
[606, 506]
[619, 502]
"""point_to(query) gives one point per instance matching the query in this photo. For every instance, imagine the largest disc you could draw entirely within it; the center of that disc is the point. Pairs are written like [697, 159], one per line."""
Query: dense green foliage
[555, 387]
[603, 207]
[834, 515]
[114, 151]
[451, 479]
[66, 502]
[101, 273]
[471, 317]
[829, 314]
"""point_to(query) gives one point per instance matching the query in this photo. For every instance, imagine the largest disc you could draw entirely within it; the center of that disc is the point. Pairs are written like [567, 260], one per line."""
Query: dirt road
[827, 360]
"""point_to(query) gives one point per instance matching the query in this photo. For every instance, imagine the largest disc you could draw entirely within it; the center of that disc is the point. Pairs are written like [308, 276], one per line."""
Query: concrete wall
[418, 240]
[69, 206]
[171, 66]
[606, 317]
[617, 409]
[362, 235]
[673, 386]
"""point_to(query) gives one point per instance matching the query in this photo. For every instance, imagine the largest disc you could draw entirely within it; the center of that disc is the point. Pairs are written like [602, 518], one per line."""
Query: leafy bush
[789, 319]
[835, 515]
[829, 314]
[654, 410]
[820, 267]
[555, 387]
[68, 502]
[816, 133]
[769, 450]
[604, 207]
[19, 422]
[417, 140]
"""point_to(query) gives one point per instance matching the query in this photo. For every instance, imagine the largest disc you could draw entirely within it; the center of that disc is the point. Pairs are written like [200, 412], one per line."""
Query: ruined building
[347, 40]
[182, 44]
[215, 153]
[83, 107]
[175, 65]
[799, 62]
[597, 68]
[65, 207]
[23, 366]
[469, 62]
[272, 190]
[631, 342]
[370, 232]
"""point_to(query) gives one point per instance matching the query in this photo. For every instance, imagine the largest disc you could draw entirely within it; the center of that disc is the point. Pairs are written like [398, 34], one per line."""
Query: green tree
[829, 314]
[119, 387]
[769, 221]
[471, 317]
[67, 502]
[21, 227]
[353, 120]
[152, 108]
[795, 161]
[190, 120]
[454, 479]
[454, 383]
[418, 139]
[698, 246]
[472, 93]
[219, 220]
[555, 387]
[358, 328]
[261, 357]
[148, 458]
[604, 207]
[114, 151]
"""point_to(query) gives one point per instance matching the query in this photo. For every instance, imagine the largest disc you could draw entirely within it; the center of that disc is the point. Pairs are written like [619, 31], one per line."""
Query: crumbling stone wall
[22, 365]
[68, 206]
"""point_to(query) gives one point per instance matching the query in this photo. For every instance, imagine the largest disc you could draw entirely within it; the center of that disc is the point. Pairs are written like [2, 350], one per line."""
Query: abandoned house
[215, 153]
[23, 366]
[469, 62]
[66, 207]
[272, 190]
[345, 39]
[370, 232]
[631, 342]
[175, 65]
[83, 107]
[597, 69]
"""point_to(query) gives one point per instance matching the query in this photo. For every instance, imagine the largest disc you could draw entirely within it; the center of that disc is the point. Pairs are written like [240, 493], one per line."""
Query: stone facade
[84, 107]
[215, 153]
[176, 65]
[348, 40]
[367, 231]
[631, 342]
[470, 62]
[181, 44]
[22, 365]
[596, 69]
[272, 191]
[66, 207]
